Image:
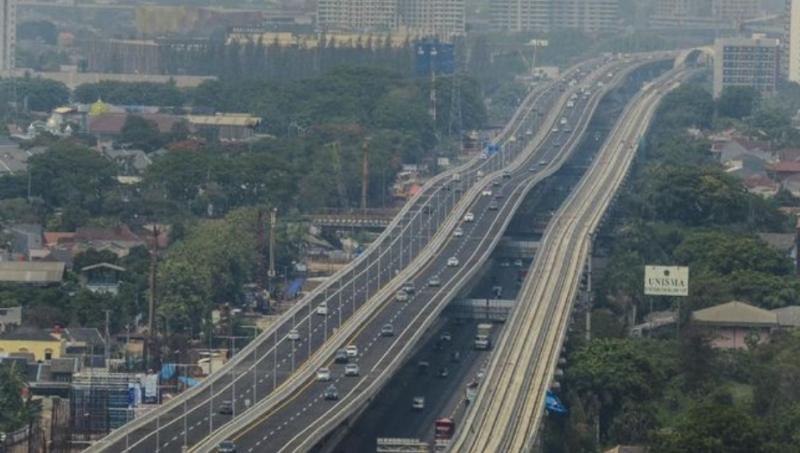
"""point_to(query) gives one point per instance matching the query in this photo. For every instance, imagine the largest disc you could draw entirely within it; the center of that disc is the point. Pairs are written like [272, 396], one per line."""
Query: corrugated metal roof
[735, 313]
[31, 272]
[223, 120]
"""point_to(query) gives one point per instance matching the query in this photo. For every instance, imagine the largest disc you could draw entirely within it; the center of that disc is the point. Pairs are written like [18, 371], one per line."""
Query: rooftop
[788, 316]
[28, 334]
[241, 120]
[735, 314]
[31, 272]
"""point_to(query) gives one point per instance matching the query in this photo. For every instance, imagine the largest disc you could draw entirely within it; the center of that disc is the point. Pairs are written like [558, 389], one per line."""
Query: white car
[322, 309]
[518, 263]
[480, 174]
[469, 217]
[458, 232]
[323, 375]
[352, 351]
[487, 193]
[554, 130]
[418, 403]
[294, 335]
[401, 296]
[351, 369]
[452, 262]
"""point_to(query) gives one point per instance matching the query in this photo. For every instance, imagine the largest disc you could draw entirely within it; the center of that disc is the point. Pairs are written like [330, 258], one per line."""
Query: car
[452, 262]
[226, 408]
[486, 193]
[443, 372]
[401, 296]
[322, 309]
[341, 356]
[556, 144]
[434, 281]
[493, 206]
[498, 194]
[423, 366]
[418, 403]
[294, 335]
[505, 263]
[352, 351]
[455, 357]
[532, 169]
[458, 232]
[409, 287]
[226, 446]
[496, 183]
[554, 130]
[507, 174]
[387, 330]
[446, 336]
[529, 132]
[570, 104]
[563, 121]
[351, 370]
[518, 263]
[323, 375]
[331, 394]
[567, 129]
[481, 373]
[469, 217]
[543, 162]
[480, 174]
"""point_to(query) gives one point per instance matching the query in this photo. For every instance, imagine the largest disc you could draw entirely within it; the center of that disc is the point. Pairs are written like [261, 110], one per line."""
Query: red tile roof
[785, 167]
[754, 181]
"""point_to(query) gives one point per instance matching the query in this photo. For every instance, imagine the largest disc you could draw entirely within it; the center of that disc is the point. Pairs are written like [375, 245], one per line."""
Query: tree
[737, 102]
[17, 412]
[141, 133]
[71, 175]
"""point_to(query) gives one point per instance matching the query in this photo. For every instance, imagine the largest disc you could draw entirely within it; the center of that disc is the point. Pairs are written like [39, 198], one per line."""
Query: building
[708, 16]
[441, 18]
[227, 127]
[788, 317]
[102, 278]
[735, 324]
[8, 36]
[108, 125]
[368, 15]
[41, 344]
[791, 41]
[747, 62]
[36, 273]
[590, 16]
[10, 317]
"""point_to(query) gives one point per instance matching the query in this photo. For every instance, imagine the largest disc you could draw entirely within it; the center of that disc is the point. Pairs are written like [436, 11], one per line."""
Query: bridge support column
[589, 294]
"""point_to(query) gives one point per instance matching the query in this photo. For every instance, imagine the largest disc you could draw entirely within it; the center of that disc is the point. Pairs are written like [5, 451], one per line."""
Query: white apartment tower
[441, 18]
[8, 34]
[791, 44]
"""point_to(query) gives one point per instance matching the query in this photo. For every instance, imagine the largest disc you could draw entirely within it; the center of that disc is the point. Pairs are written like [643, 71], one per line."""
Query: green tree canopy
[737, 102]
[142, 133]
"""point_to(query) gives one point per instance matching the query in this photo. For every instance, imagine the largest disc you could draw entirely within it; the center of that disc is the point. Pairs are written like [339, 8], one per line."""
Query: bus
[444, 428]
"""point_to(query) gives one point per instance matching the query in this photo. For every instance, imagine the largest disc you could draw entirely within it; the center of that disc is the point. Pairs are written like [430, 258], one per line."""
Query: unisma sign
[666, 281]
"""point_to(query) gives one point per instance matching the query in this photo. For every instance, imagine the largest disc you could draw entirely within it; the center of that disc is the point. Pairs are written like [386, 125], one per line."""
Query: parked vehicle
[483, 340]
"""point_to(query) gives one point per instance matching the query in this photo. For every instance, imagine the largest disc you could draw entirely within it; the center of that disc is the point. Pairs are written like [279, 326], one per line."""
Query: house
[102, 278]
[131, 162]
[745, 165]
[10, 318]
[226, 127]
[41, 344]
[727, 149]
[119, 240]
[734, 324]
[780, 171]
[761, 185]
[28, 241]
[792, 184]
[37, 273]
[788, 317]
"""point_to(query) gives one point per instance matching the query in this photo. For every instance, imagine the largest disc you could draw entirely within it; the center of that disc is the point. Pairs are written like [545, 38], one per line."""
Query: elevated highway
[273, 366]
[510, 404]
[297, 417]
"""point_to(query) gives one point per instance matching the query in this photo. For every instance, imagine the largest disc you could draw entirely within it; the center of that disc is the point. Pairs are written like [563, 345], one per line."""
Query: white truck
[483, 338]
[472, 392]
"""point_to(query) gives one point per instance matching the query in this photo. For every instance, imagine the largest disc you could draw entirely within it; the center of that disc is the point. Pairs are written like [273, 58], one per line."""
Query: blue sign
[493, 148]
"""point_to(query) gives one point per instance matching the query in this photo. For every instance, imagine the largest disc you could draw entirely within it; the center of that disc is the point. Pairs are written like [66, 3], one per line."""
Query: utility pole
[364, 175]
[108, 337]
[151, 325]
[260, 244]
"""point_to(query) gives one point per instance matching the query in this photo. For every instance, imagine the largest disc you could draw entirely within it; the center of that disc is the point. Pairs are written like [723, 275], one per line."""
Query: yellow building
[42, 344]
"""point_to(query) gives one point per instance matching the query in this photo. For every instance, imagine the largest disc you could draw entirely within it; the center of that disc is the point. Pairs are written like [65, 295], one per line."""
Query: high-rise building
[709, 15]
[361, 15]
[544, 15]
[791, 44]
[8, 33]
[747, 62]
[441, 18]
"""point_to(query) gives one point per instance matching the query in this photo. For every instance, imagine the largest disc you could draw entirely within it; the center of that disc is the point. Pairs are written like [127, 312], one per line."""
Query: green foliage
[39, 94]
[737, 102]
[141, 133]
[17, 412]
[69, 175]
[687, 106]
[131, 93]
[724, 254]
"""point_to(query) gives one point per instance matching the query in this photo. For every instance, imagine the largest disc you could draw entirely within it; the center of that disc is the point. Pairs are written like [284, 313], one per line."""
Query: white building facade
[8, 33]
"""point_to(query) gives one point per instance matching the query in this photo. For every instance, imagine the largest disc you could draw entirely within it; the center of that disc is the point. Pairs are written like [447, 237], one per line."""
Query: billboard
[433, 56]
[666, 281]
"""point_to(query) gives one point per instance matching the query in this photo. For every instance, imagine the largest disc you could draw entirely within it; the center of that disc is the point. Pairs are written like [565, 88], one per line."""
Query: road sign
[666, 281]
